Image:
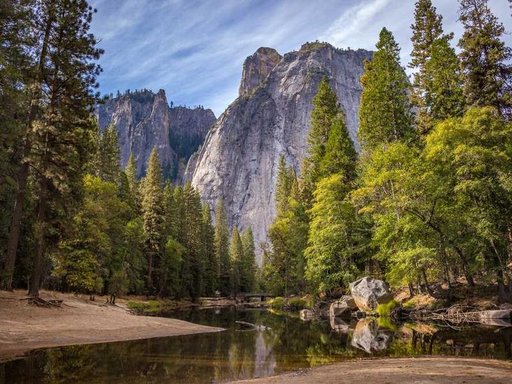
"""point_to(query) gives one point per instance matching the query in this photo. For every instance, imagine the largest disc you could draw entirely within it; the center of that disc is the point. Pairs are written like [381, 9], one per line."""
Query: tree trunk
[465, 268]
[411, 289]
[40, 234]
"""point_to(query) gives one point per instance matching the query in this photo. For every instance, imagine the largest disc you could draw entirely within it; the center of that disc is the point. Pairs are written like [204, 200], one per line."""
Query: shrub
[277, 303]
[296, 304]
[384, 310]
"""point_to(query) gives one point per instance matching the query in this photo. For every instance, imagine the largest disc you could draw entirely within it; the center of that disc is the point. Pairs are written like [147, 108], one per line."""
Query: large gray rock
[342, 307]
[271, 117]
[368, 337]
[368, 293]
[145, 120]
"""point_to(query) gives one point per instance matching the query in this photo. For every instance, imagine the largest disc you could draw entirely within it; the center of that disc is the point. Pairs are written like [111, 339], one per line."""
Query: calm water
[236, 353]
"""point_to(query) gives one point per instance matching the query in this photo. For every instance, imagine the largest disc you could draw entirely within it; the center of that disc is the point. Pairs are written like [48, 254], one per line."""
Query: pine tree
[485, 58]
[61, 137]
[331, 259]
[222, 248]
[340, 154]
[325, 110]
[444, 96]
[15, 71]
[211, 273]
[193, 264]
[283, 185]
[108, 155]
[248, 263]
[385, 111]
[133, 184]
[152, 209]
[427, 29]
[236, 254]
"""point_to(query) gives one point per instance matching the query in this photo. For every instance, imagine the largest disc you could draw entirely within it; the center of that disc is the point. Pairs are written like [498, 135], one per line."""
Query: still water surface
[236, 353]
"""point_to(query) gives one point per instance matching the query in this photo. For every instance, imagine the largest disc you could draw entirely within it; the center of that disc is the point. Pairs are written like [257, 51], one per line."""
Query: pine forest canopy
[428, 197]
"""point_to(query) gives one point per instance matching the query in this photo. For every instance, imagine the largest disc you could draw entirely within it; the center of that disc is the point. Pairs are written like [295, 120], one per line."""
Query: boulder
[338, 325]
[307, 315]
[368, 293]
[368, 337]
[342, 307]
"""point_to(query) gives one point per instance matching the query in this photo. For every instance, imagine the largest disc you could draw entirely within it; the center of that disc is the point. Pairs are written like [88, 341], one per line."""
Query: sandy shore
[438, 370]
[25, 327]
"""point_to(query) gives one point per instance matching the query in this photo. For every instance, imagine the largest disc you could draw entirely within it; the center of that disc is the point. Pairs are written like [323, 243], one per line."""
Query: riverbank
[25, 327]
[439, 370]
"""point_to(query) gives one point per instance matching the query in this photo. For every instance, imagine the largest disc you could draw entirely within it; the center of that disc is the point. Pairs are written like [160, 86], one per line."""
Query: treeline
[429, 198]
[71, 218]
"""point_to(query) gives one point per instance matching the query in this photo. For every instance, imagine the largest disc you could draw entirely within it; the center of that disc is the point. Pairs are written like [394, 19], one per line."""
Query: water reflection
[369, 337]
[239, 354]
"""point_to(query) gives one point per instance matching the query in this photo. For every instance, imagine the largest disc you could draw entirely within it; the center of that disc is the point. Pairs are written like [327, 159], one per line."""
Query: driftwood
[44, 303]
[253, 326]
[459, 315]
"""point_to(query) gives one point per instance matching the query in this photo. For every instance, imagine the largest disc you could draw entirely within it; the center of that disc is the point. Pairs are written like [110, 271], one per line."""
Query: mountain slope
[145, 120]
[270, 118]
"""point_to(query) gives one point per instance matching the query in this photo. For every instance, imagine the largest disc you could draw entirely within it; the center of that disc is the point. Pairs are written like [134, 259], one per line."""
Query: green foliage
[384, 310]
[222, 248]
[296, 303]
[385, 111]
[325, 110]
[277, 303]
[331, 254]
[485, 58]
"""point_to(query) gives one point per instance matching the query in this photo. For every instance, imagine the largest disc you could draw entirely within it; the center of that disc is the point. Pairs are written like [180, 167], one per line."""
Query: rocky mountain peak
[239, 159]
[145, 120]
[256, 69]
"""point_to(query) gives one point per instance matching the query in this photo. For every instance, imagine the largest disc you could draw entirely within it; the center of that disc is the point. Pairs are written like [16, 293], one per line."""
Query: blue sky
[194, 49]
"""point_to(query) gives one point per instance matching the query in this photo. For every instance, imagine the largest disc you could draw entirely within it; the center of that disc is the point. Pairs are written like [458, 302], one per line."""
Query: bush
[384, 310]
[296, 304]
[277, 303]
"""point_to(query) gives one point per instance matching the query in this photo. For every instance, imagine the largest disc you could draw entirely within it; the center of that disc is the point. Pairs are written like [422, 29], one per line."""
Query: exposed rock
[342, 307]
[338, 325]
[368, 337]
[368, 293]
[239, 160]
[306, 314]
[144, 120]
[256, 69]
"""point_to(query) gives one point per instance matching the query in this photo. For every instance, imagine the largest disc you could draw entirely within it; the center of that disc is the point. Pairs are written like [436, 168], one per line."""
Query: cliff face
[144, 120]
[271, 117]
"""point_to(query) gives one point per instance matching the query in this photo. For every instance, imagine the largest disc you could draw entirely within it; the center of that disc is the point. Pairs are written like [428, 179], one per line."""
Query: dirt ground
[401, 371]
[25, 327]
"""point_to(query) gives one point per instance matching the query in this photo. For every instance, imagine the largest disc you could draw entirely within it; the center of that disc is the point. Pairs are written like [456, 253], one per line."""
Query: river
[238, 353]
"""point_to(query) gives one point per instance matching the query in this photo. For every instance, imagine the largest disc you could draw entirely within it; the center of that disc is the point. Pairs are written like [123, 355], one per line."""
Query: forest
[72, 219]
[427, 199]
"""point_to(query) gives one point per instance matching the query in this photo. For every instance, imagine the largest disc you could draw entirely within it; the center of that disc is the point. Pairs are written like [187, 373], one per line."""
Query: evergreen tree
[340, 154]
[248, 263]
[193, 264]
[325, 110]
[152, 209]
[108, 156]
[385, 110]
[331, 256]
[485, 58]
[57, 119]
[444, 87]
[427, 29]
[222, 249]
[283, 267]
[211, 273]
[236, 254]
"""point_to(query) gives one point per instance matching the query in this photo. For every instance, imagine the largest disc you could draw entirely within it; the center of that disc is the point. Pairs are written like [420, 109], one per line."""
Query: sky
[195, 49]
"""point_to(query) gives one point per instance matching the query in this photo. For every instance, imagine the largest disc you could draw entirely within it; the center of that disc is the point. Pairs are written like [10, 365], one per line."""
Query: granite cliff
[145, 120]
[271, 117]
